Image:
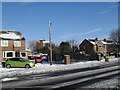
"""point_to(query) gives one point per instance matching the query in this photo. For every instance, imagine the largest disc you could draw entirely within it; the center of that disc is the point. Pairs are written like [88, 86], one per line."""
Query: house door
[17, 54]
[19, 62]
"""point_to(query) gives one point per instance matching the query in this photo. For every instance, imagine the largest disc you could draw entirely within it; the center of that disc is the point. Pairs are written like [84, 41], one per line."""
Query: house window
[17, 43]
[8, 54]
[4, 43]
[23, 54]
[100, 46]
[83, 47]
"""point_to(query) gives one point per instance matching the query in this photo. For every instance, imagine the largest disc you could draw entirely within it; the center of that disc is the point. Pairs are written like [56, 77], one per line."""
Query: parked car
[19, 62]
[37, 59]
[44, 58]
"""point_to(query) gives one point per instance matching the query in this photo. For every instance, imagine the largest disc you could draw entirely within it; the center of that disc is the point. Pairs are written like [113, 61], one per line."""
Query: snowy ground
[110, 83]
[46, 67]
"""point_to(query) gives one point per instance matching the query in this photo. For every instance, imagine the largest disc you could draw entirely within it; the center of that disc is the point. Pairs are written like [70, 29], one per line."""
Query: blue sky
[76, 21]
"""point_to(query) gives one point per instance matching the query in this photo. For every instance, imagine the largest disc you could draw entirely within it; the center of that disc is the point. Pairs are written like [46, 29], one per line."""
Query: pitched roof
[43, 41]
[107, 42]
[92, 41]
[5, 34]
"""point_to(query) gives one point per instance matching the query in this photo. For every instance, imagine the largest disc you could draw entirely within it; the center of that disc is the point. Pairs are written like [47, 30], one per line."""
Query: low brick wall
[110, 57]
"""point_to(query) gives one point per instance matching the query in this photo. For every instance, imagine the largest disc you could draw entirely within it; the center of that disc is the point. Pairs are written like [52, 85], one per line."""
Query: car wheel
[27, 66]
[8, 66]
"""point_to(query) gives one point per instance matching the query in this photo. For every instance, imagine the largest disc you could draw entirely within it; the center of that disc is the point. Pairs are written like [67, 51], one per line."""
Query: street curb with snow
[46, 67]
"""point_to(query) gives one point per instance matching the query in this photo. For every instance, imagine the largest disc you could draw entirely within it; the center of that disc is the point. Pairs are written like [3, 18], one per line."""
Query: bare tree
[74, 44]
[115, 37]
[44, 50]
[56, 52]
[64, 48]
[32, 45]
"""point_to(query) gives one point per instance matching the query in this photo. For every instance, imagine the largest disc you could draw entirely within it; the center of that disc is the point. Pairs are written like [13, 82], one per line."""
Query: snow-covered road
[46, 67]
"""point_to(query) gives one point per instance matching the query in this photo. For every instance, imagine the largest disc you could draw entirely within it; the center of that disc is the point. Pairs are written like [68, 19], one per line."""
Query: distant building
[12, 44]
[91, 47]
[42, 43]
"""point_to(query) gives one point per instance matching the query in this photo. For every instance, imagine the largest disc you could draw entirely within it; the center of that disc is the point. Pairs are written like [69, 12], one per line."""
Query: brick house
[90, 47]
[42, 43]
[12, 44]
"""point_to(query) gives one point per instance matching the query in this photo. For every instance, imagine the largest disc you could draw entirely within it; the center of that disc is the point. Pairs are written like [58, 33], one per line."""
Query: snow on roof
[92, 42]
[10, 35]
[43, 41]
[41, 54]
[105, 42]
[27, 49]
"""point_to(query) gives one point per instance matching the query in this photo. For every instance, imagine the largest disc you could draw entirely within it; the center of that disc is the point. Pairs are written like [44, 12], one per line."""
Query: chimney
[96, 39]
[104, 39]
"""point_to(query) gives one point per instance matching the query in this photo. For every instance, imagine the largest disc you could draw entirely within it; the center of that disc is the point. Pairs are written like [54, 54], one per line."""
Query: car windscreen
[38, 57]
[24, 59]
[14, 59]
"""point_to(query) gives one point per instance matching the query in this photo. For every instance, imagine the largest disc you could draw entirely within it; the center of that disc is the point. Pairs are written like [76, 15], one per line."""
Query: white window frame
[25, 54]
[3, 44]
[17, 41]
[5, 54]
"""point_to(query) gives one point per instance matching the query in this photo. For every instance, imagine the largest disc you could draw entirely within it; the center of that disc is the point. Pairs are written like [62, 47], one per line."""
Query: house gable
[86, 46]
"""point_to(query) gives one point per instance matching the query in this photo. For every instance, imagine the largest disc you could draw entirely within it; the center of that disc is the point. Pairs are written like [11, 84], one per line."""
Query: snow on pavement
[46, 67]
[8, 79]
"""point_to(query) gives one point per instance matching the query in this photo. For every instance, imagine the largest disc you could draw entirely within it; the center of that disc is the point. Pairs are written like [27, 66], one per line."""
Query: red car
[36, 58]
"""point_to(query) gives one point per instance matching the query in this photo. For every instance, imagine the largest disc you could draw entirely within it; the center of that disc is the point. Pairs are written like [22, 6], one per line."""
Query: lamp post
[50, 40]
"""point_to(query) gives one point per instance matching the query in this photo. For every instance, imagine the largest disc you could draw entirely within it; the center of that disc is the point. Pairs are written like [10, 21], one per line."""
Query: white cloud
[104, 12]
[25, 3]
[109, 8]
[83, 34]
[92, 31]
[69, 35]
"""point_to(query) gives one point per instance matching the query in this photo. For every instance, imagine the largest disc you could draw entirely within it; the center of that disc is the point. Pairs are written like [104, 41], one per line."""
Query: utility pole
[96, 42]
[50, 40]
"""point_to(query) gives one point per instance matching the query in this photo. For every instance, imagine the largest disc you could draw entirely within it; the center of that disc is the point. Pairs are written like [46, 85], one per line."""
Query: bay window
[8, 54]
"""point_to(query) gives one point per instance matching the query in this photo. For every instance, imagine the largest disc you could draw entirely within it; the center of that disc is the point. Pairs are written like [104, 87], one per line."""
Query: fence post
[67, 59]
